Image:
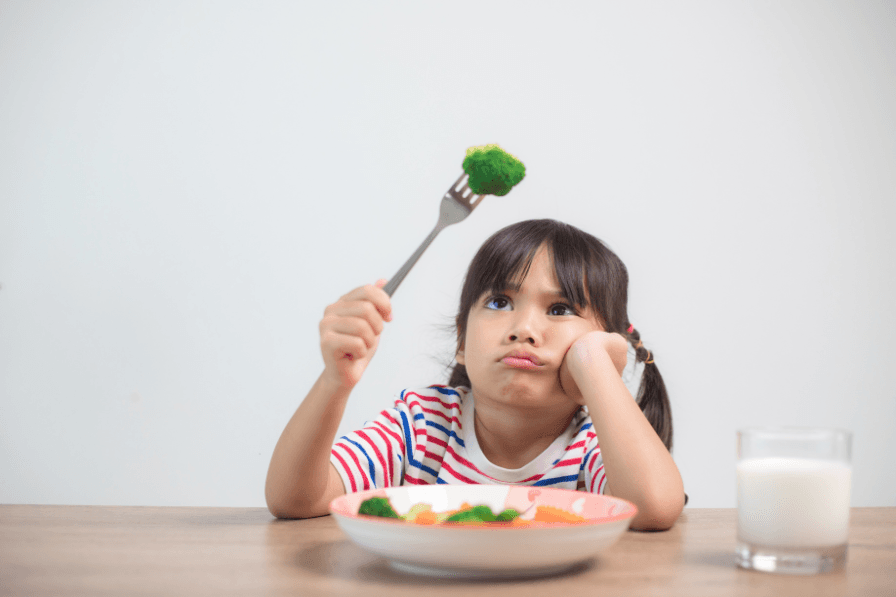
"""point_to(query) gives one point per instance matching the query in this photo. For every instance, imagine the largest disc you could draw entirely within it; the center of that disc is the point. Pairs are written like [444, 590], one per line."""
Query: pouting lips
[521, 360]
[519, 363]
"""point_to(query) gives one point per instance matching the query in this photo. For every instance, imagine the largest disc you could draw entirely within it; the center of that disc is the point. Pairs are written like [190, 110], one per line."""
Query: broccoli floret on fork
[492, 170]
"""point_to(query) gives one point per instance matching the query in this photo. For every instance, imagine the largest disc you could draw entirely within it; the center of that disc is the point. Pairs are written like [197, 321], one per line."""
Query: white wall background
[184, 186]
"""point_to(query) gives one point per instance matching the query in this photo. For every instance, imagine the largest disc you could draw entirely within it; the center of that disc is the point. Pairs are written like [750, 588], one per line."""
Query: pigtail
[459, 377]
[652, 397]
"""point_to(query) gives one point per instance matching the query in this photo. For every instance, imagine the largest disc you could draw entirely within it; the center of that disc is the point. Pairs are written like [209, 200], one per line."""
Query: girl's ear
[459, 357]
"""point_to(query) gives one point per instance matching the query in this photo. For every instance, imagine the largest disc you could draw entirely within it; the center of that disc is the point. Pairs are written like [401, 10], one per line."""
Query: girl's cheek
[569, 349]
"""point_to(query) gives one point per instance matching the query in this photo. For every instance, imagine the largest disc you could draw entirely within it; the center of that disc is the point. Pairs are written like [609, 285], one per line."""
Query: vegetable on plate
[467, 514]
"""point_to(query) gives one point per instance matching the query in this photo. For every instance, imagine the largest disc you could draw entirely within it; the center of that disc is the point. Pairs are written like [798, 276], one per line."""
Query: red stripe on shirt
[469, 465]
[438, 442]
[458, 476]
[595, 477]
[389, 454]
[575, 445]
[445, 405]
[358, 464]
[432, 411]
[431, 456]
[391, 434]
[345, 467]
[567, 462]
[376, 450]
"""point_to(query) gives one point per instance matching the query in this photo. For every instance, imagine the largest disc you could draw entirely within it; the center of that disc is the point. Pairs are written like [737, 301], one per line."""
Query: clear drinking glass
[793, 488]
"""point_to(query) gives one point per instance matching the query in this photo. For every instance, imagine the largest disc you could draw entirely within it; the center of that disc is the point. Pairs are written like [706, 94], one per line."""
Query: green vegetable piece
[474, 514]
[378, 507]
[507, 515]
[492, 170]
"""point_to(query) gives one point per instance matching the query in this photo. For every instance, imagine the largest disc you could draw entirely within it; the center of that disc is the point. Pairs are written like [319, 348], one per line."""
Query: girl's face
[516, 341]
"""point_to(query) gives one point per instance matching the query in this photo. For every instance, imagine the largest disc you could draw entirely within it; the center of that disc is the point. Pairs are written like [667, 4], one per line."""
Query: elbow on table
[278, 508]
[648, 522]
[658, 515]
[288, 507]
[279, 511]
[293, 511]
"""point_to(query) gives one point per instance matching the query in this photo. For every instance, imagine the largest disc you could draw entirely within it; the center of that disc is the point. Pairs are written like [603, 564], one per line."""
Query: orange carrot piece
[552, 514]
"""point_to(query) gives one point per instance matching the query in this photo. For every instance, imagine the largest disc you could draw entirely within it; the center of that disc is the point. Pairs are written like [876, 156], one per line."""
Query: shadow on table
[345, 560]
[718, 559]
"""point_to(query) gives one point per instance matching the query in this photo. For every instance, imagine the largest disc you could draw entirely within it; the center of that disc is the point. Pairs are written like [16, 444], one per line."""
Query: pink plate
[486, 550]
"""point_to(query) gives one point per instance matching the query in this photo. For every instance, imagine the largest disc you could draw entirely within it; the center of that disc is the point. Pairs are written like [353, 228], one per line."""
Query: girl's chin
[521, 393]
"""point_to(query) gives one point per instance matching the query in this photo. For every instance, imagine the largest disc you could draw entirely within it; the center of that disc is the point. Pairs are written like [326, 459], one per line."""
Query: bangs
[505, 263]
[591, 277]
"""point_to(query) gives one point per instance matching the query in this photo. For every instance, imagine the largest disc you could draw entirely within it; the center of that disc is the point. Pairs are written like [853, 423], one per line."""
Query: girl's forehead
[540, 269]
[537, 283]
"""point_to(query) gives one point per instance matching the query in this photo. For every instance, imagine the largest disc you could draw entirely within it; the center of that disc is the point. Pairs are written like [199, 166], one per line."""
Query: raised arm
[301, 482]
[638, 466]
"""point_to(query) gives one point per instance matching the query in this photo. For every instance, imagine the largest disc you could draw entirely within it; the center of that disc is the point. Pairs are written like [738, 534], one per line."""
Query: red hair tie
[631, 328]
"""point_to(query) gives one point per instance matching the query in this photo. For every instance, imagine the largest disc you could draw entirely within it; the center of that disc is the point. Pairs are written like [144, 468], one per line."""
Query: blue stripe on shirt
[555, 480]
[369, 461]
[448, 432]
[585, 459]
[446, 391]
[408, 446]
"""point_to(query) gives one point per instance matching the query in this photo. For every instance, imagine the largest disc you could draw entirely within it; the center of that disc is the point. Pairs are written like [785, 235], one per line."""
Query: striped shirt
[428, 437]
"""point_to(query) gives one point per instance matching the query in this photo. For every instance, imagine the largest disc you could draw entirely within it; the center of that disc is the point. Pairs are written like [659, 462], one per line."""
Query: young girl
[547, 364]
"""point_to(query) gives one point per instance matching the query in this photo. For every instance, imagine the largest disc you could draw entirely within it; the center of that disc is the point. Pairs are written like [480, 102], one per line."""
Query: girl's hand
[350, 332]
[586, 354]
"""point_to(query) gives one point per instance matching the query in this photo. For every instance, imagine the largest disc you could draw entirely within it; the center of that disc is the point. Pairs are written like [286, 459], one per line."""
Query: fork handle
[392, 285]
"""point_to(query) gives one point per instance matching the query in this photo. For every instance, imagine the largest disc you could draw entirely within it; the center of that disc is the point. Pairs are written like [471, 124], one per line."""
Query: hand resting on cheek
[587, 356]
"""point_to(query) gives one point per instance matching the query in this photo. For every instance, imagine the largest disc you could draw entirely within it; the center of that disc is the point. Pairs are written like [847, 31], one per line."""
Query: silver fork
[458, 202]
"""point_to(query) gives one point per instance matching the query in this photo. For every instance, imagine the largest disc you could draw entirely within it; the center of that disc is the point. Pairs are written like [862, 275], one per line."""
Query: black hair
[590, 275]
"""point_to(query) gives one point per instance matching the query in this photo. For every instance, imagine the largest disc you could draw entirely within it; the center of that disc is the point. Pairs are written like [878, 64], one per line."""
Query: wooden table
[98, 550]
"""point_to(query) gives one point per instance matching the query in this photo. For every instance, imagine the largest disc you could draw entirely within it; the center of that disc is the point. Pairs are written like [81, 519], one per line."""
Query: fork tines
[462, 192]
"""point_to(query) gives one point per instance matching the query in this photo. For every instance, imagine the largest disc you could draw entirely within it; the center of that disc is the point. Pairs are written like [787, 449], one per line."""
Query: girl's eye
[562, 309]
[499, 303]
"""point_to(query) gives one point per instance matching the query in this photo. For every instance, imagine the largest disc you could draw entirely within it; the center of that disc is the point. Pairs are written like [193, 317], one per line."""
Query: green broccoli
[507, 515]
[382, 508]
[492, 170]
[474, 514]
[482, 514]
[378, 507]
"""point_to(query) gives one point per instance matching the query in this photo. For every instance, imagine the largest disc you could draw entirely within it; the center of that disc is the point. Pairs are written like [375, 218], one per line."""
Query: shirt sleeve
[374, 456]
[595, 477]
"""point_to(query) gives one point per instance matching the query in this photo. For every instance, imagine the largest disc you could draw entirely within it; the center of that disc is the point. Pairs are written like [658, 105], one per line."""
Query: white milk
[793, 502]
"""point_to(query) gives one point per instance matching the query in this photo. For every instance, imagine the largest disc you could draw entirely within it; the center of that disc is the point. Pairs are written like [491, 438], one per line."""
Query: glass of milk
[793, 487]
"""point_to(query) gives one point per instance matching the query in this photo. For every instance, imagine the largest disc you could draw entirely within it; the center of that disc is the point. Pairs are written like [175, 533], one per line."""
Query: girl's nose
[528, 339]
[525, 329]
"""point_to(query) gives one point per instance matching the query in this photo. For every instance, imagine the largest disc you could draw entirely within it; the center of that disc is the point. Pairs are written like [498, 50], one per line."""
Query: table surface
[123, 550]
